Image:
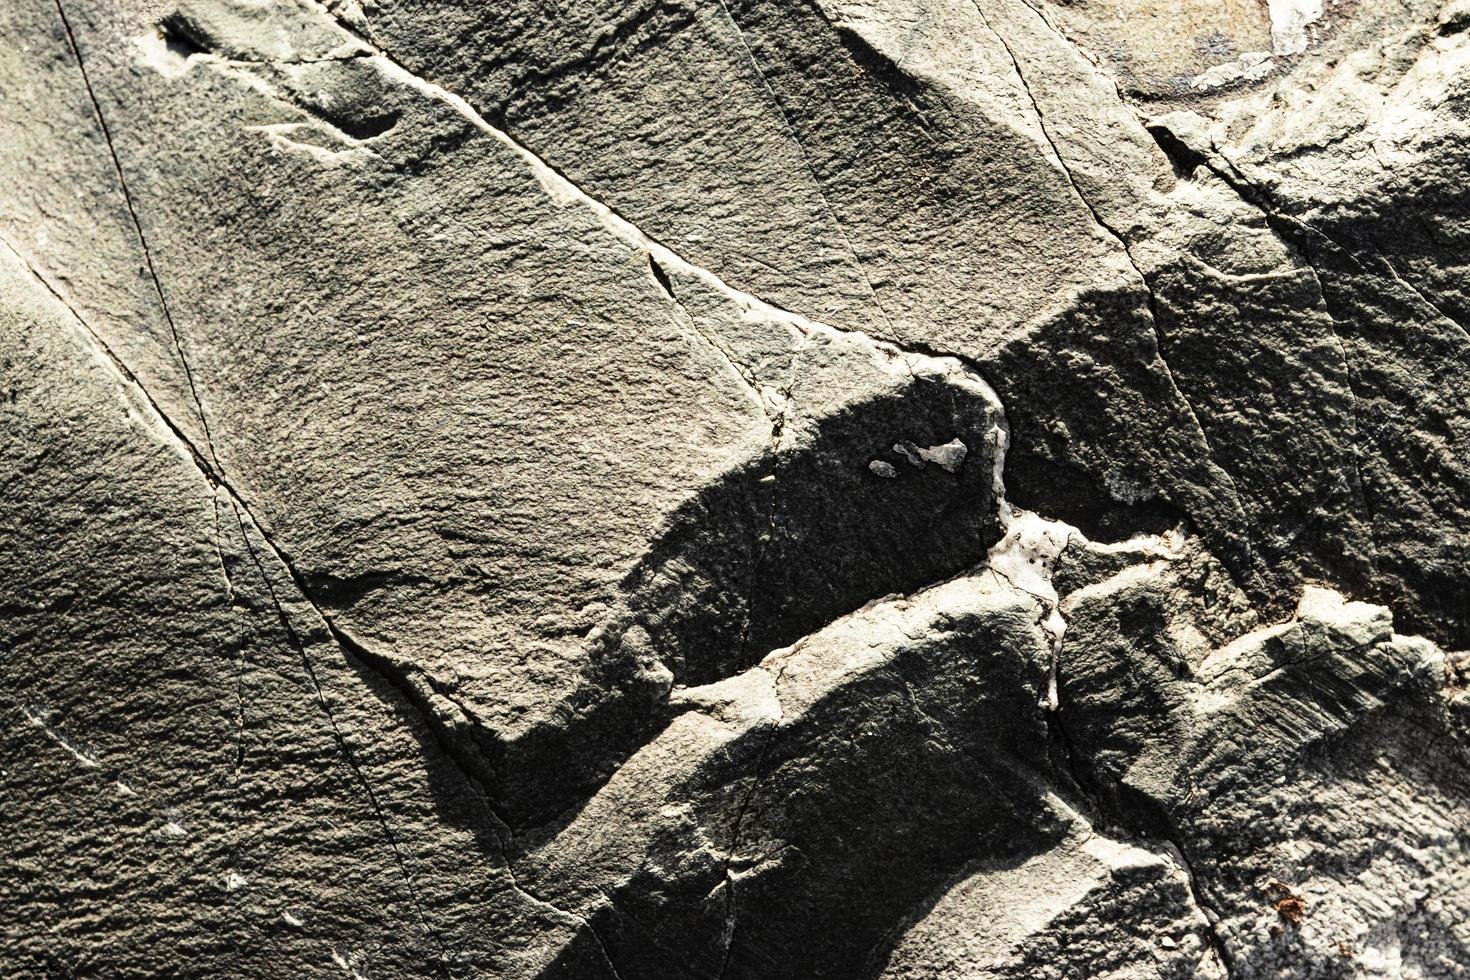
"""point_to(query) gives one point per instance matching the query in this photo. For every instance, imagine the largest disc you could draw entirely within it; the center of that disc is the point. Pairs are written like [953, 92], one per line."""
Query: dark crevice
[874, 63]
[1183, 158]
[1257, 197]
[1212, 916]
[186, 38]
[1119, 805]
[352, 119]
[662, 278]
[359, 126]
[181, 36]
[1041, 480]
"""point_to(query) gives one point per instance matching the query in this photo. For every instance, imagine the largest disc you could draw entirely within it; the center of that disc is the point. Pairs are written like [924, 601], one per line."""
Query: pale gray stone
[734, 488]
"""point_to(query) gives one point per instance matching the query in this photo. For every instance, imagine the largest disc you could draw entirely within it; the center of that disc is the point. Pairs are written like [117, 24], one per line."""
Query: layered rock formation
[734, 488]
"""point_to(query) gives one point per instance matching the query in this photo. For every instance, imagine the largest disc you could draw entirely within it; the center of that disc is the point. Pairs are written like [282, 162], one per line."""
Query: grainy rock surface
[735, 488]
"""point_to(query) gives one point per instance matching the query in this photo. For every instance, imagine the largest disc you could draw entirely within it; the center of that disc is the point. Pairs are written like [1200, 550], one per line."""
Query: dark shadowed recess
[862, 810]
[1088, 404]
[1412, 380]
[777, 547]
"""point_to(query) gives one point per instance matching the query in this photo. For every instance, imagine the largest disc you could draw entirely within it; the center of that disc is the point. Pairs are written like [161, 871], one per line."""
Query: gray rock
[734, 488]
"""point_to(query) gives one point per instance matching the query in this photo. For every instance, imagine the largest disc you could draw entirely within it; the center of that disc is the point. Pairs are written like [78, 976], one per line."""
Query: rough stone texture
[735, 488]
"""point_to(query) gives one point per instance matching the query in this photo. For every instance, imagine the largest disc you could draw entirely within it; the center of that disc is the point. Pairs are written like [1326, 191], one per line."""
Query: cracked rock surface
[735, 489]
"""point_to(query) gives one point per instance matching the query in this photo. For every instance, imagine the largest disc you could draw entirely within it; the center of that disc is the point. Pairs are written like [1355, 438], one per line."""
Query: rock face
[735, 488]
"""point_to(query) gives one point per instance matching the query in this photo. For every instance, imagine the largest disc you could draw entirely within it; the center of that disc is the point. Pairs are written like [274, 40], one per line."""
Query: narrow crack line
[405, 679]
[764, 538]
[240, 639]
[1394, 274]
[342, 744]
[1086, 55]
[215, 480]
[1100, 809]
[397, 675]
[562, 190]
[330, 6]
[214, 58]
[606, 953]
[683, 318]
[764, 535]
[776, 417]
[1153, 306]
[806, 160]
[1258, 197]
[581, 920]
[1348, 370]
[1253, 195]
[738, 825]
[126, 375]
[1207, 909]
[219, 550]
[1056, 720]
[127, 195]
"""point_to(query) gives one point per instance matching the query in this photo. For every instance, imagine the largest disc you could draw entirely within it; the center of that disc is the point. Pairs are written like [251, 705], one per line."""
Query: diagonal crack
[685, 319]
[214, 477]
[137, 223]
[1436, 308]
[1066, 39]
[1101, 222]
[562, 190]
[1258, 197]
[409, 681]
[1057, 722]
[209, 466]
[1253, 195]
[1180, 153]
[1211, 914]
[778, 419]
[343, 746]
[780, 108]
[738, 824]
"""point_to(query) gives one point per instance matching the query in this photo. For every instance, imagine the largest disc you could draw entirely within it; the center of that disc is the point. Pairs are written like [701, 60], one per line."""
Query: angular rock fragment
[1277, 763]
[789, 817]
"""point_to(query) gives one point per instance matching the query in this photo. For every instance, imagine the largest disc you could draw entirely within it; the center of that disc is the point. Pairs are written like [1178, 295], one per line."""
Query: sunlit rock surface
[734, 488]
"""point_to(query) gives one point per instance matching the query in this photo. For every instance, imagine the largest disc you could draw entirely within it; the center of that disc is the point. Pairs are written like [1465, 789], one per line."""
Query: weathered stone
[734, 488]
